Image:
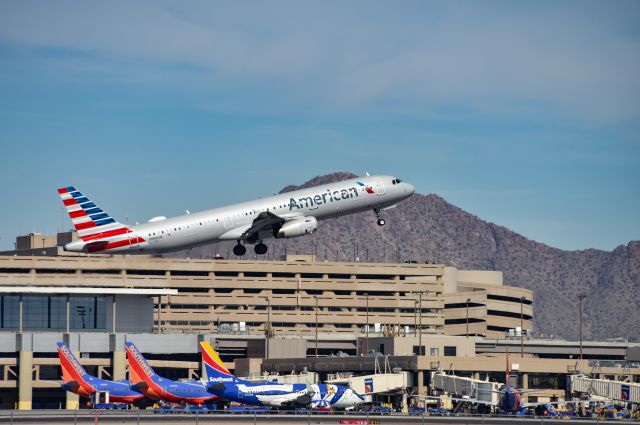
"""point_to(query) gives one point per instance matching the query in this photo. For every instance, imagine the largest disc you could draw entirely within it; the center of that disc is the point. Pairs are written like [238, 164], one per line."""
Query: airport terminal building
[264, 317]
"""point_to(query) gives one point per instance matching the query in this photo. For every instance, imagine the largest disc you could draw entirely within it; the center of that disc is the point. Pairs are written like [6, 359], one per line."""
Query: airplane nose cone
[410, 189]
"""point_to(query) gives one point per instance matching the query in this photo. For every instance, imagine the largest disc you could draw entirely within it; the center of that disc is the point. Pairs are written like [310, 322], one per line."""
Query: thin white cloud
[578, 59]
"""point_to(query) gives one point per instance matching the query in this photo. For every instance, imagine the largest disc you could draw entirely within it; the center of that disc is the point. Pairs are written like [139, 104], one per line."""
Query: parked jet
[510, 398]
[158, 388]
[281, 216]
[78, 381]
[223, 383]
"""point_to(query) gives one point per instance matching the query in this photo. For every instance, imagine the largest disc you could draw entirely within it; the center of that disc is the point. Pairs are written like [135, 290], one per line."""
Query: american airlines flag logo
[368, 188]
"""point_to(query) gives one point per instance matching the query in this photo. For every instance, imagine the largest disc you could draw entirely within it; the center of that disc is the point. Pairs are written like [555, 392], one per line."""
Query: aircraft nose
[410, 189]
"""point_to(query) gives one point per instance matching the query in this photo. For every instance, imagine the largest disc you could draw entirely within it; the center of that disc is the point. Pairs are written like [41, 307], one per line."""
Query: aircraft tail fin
[89, 220]
[72, 370]
[139, 369]
[214, 366]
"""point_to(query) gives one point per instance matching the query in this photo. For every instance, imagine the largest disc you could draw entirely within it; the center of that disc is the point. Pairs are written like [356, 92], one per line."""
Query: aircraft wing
[264, 221]
[72, 385]
[292, 399]
[140, 387]
[554, 403]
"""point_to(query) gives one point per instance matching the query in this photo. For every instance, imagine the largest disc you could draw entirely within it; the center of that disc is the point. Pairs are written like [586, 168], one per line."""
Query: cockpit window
[396, 181]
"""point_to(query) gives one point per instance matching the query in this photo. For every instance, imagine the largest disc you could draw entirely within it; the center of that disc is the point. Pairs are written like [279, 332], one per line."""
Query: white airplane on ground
[281, 216]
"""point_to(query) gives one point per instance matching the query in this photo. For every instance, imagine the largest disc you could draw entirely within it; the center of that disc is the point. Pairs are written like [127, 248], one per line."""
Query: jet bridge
[372, 384]
[613, 390]
[463, 386]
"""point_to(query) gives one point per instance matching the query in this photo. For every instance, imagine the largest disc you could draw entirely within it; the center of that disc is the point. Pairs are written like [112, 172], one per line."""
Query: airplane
[156, 387]
[224, 384]
[285, 215]
[76, 380]
[510, 398]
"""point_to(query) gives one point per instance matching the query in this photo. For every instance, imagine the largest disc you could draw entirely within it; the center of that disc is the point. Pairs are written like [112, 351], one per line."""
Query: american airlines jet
[285, 215]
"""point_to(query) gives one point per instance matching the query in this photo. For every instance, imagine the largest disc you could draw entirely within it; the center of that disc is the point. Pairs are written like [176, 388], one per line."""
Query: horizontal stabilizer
[140, 386]
[218, 386]
[95, 246]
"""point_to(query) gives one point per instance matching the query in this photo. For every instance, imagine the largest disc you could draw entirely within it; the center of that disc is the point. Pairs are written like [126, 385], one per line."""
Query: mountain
[428, 228]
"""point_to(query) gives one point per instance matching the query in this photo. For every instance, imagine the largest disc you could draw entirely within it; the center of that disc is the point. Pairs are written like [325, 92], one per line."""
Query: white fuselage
[231, 222]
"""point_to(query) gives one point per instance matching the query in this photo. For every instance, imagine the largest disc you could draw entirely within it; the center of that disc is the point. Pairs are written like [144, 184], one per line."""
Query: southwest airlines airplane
[76, 380]
[224, 384]
[281, 216]
[158, 388]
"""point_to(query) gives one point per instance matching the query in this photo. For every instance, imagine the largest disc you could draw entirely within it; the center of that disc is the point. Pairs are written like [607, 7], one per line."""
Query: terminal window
[450, 350]
[50, 312]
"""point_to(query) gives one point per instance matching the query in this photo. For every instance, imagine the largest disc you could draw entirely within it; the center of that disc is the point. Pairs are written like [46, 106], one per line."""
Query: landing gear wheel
[239, 250]
[260, 249]
[380, 219]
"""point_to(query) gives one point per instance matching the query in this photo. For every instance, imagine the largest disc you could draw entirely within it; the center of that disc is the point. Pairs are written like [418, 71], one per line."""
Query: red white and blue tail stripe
[88, 219]
[96, 228]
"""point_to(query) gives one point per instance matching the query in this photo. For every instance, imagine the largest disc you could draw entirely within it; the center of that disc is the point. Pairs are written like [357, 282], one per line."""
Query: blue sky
[524, 114]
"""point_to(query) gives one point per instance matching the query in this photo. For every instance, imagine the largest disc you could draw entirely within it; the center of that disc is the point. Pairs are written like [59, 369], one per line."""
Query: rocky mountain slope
[428, 228]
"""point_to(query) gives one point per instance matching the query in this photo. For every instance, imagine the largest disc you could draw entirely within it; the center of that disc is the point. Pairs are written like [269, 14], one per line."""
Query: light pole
[418, 312]
[521, 328]
[581, 296]
[415, 316]
[267, 328]
[366, 329]
[467, 306]
[316, 298]
[419, 323]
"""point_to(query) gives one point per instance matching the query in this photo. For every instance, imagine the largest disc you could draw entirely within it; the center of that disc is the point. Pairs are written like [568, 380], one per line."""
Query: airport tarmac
[143, 417]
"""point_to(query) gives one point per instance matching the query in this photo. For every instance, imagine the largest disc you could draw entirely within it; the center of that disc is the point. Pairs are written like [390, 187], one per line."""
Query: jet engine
[297, 227]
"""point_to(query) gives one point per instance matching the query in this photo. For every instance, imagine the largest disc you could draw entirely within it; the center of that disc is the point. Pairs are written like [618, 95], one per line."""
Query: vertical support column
[119, 365]
[113, 314]
[159, 314]
[20, 316]
[25, 384]
[525, 386]
[72, 401]
[68, 315]
[421, 392]
[203, 369]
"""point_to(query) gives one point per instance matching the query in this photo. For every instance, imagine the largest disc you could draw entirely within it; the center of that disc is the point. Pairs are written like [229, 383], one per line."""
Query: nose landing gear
[381, 221]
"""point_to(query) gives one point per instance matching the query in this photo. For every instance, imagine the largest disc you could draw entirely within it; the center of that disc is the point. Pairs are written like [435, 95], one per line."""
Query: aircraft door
[228, 222]
[133, 240]
[380, 190]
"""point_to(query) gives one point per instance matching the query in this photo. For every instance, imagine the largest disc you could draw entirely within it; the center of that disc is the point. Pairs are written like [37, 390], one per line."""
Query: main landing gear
[380, 219]
[260, 249]
[239, 250]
